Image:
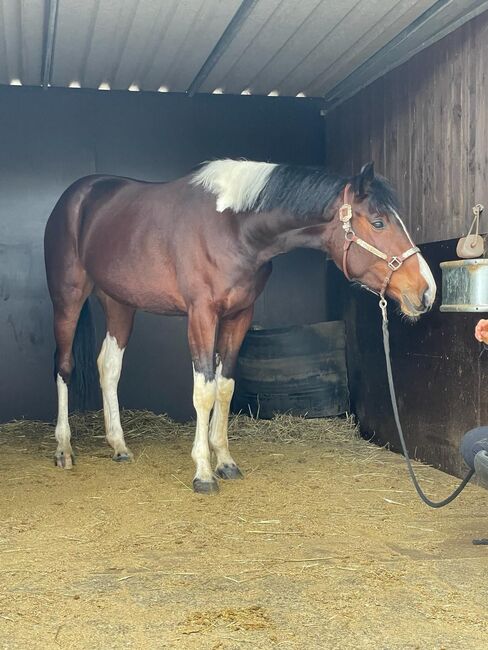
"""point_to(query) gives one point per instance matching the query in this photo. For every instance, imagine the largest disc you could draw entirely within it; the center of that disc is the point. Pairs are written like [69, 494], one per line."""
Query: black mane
[382, 198]
[308, 191]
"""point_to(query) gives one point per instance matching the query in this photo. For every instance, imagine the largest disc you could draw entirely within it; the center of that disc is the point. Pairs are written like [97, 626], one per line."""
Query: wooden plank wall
[440, 373]
[425, 125]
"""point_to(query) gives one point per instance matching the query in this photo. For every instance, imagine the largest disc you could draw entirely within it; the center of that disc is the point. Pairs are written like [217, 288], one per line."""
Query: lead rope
[391, 385]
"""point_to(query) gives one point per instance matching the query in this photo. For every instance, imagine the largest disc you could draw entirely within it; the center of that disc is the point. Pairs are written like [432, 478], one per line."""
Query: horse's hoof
[205, 487]
[64, 461]
[122, 457]
[228, 471]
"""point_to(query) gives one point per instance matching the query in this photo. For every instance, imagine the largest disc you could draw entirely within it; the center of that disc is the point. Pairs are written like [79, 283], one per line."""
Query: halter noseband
[394, 261]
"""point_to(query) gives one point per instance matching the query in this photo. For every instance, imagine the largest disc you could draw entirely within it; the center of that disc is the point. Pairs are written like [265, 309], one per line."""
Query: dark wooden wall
[425, 125]
[440, 373]
[50, 138]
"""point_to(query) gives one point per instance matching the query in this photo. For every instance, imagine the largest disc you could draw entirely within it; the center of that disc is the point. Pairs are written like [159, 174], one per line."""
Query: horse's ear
[365, 178]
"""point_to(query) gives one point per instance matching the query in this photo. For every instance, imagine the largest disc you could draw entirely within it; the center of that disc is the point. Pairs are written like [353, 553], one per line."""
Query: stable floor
[323, 545]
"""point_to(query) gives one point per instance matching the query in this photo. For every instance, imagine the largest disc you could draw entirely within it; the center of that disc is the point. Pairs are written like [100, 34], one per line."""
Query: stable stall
[324, 543]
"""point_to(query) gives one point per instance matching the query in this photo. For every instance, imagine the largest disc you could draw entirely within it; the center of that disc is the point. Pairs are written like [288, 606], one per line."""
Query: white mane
[237, 184]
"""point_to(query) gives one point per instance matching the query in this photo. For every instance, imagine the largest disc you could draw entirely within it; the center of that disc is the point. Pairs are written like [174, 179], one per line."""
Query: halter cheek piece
[394, 261]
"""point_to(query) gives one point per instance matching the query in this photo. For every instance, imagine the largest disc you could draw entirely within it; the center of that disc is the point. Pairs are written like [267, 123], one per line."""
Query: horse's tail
[84, 379]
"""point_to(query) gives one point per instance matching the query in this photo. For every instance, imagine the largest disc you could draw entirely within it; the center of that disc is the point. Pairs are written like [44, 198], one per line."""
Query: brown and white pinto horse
[202, 246]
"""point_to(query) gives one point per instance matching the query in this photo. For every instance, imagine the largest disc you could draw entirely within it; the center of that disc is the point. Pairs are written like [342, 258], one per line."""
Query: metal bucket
[465, 285]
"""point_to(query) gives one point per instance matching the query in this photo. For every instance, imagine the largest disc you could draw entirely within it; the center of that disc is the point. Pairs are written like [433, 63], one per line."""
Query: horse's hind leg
[231, 334]
[66, 314]
[120, 319]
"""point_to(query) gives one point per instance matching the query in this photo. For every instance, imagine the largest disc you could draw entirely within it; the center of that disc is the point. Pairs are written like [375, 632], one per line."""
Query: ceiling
[316, 48]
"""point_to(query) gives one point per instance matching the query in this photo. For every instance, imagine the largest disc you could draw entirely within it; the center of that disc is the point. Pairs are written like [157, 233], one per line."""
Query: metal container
[465, 285]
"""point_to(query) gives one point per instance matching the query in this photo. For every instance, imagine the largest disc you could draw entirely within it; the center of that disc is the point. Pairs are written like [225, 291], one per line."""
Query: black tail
[84, 393]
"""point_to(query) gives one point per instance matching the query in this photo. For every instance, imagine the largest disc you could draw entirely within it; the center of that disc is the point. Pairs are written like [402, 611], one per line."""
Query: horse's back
[144, 244]
[81, 199]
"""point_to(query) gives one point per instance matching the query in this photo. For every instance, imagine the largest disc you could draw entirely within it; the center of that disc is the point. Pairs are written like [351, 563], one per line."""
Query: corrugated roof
[321, 48]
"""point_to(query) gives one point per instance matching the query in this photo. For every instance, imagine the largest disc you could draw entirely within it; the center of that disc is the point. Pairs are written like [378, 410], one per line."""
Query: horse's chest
[237, 299]
[244, 292]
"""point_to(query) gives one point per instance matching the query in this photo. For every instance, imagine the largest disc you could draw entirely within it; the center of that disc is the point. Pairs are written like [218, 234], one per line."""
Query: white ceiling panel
[305, 44]
[363, 31]
[322, 48]
[197, 27]
[21, 40]
[147, 43]
[441, 19]
[269, 37]
[244, 40]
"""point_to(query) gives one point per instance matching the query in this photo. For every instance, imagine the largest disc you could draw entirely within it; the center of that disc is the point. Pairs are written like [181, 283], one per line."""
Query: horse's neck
[274, 233]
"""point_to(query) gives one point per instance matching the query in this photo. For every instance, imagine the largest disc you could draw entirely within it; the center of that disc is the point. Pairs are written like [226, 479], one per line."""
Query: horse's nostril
[426, 299]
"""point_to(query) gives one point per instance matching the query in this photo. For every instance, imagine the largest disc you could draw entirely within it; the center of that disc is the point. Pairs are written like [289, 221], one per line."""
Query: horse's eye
[378, 224]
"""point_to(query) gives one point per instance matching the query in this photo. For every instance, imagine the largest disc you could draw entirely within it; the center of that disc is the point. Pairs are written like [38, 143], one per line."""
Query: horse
[202, 246]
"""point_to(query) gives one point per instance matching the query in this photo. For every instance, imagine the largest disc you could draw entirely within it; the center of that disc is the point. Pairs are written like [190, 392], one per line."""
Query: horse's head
[373, 247]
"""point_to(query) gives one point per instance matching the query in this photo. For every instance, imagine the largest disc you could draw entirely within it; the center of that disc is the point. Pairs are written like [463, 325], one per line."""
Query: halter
[394, 261]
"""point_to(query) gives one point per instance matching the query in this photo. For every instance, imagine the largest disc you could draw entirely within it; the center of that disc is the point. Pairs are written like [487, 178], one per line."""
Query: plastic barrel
[299, 370]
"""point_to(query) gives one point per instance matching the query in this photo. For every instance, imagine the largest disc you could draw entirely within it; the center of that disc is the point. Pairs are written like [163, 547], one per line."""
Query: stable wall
[440, 373]
[50, 138]
[426, 127]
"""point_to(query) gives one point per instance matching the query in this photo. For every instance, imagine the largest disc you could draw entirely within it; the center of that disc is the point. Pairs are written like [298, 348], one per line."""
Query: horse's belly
[159, 304]
[154, 303]
[159, 296]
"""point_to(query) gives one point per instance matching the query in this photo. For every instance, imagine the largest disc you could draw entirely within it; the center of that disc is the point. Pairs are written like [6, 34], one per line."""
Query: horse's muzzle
[414, 308]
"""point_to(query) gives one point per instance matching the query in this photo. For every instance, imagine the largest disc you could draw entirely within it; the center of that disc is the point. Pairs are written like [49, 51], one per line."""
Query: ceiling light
[134, 88]
[218, 91]
[246, 91]
[104, 86]
[15, 82]
[163, 89]
[74, 84]
[301, 95]
[273, 93]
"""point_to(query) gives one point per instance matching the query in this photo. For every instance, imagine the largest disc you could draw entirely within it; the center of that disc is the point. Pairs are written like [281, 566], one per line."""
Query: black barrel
[299, 370]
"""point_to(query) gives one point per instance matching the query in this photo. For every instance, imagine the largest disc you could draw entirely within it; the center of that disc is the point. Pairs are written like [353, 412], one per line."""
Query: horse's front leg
[202, 328]
[120, 319]
[231, 334]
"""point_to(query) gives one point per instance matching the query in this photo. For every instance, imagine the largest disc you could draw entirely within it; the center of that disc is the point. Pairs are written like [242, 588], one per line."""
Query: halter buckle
[345, 214]
[395, 263]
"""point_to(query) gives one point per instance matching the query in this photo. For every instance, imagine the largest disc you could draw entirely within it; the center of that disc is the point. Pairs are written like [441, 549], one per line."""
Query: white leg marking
[203, 401]
[220, 418]
[62, 431]
[109, 366]
[429, 278]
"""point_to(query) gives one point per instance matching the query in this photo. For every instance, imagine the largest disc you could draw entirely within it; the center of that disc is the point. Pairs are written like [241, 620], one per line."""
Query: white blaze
[237, 184]
[425, 271]
[429, 278]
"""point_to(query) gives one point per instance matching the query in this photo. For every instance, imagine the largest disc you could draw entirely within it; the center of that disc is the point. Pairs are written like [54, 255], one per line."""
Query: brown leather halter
[394, 261]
